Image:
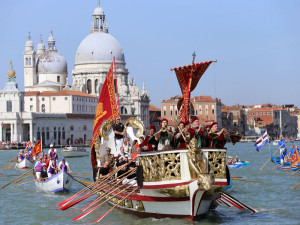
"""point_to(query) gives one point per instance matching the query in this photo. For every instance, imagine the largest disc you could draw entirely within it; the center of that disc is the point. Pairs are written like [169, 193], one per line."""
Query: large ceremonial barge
[181, 182]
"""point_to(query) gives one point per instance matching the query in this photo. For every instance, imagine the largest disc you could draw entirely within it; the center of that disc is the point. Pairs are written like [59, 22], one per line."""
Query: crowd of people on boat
[206, 136]
[285, 154]
[46, 165]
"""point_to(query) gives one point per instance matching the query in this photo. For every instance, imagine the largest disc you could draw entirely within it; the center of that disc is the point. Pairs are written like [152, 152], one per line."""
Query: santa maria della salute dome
[59, 112]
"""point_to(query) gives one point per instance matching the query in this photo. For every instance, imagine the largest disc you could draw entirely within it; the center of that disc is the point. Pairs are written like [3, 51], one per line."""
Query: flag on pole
[262, 140]
[37, 148]
[106, 109]
[295, 158]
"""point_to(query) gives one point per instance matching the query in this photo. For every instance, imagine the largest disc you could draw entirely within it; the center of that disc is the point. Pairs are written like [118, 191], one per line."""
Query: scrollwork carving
[217, 165]
[136, 123]
[106, 126]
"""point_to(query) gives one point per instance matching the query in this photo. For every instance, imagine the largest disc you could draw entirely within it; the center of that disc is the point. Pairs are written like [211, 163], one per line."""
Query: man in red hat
[200, 133]
[182, 136]
[164, 138]
[215, 138]
[148, 146]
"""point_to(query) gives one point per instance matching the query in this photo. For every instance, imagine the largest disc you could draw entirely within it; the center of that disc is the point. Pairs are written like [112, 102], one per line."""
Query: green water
[271, 196]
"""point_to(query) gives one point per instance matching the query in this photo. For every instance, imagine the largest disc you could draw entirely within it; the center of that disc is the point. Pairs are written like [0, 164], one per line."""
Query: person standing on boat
[38, 168]
[120, 132]
[148, 146]
[281, 144]
[63, 164]
[283, 154]
[164, 138]
[52, 152]
[183, 135]
[200, 132]
[215, 138]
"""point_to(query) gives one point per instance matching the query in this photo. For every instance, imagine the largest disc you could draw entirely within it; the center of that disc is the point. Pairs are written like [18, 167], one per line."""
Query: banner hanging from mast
[106, 109]
[188, 78]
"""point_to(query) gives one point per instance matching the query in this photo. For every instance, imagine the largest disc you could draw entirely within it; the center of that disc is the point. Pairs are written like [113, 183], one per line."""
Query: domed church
[53, 110]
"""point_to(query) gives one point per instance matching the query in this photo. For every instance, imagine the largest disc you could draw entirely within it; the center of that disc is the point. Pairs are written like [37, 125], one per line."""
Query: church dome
[29, 43]
[98, 11]
[99, 47]
[52, 62]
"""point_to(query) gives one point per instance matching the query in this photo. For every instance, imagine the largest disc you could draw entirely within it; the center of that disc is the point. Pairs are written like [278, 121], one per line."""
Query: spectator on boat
[236, 160]
[108, 157]
[126, 145]
[53, 168]
[283, 155]
[134, 147]
[104, 170]
[164, 138]
[281, 144]
[38, 168]
[215, 138]
[21, 156]
[148, 146]
[121, 161]
[120, 132]
[230, 160]
[141, 146]
[63, 164]
[131, 167]
[44, 174]
[122, 154]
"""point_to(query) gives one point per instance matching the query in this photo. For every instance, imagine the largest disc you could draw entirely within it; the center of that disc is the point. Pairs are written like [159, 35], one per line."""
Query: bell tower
[30, 76]
[99, 23]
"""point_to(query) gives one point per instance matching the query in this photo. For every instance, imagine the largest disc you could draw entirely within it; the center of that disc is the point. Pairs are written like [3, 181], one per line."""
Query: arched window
[123, 110]
[63, 133]
[29, 61]
[26, 61]
[96, 85]
[54, 133]
[43, 108]
[89, 86]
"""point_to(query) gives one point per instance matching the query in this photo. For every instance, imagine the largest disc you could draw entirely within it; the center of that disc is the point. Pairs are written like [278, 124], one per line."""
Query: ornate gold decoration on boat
[106, 126]
[177, 192]
[139, 206]
[136, 123]
[122, 203]
[217, 164]
[195, 158]
[165, 166]
[128, 203]
[205, 181]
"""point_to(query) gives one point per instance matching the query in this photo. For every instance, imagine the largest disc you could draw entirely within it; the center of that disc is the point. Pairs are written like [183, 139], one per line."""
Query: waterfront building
[50, 108]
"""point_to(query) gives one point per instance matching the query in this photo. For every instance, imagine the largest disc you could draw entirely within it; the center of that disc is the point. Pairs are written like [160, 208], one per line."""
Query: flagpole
[116, 84]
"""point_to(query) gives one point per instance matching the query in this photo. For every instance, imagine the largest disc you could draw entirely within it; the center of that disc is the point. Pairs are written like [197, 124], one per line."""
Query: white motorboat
[68, 152]
[60, 182]
[24, 164]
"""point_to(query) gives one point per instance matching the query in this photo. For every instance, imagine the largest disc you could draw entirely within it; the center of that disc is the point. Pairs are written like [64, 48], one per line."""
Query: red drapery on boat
[295, 158]
[106, 109]
[188, 78]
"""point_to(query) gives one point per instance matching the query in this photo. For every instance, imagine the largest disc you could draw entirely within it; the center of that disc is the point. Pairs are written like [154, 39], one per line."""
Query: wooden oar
[112, 173]
[109, 191]
[89, 194]
[268, 160]
[95, 207]
[295, 186]
[14, 158]
[101, 217]
[83, 174]
[24, 183]
[10, 165]
[17, 181]
[275, 166]
[295, 172]
[82, 182]
[17, 178]
[235, 178]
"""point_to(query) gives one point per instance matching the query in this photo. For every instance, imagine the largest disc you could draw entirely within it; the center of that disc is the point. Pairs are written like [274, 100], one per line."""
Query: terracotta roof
[59, 93]
[203, 98]
[153, 108]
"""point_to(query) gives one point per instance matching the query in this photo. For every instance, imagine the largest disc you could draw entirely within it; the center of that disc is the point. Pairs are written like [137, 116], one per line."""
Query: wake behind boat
[69, 152]
[60, 182]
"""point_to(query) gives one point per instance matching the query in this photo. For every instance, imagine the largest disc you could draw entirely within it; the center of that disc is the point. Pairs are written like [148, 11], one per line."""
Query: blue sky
[256, 43]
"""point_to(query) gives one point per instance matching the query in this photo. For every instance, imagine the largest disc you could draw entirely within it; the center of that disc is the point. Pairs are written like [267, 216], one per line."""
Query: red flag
[188, 78]
[106, 109]
[295, 158]
[37, 148]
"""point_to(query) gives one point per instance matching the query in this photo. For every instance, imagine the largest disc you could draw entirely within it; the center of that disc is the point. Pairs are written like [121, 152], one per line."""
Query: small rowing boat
[60, 182]
[68, 152]
[24, 164]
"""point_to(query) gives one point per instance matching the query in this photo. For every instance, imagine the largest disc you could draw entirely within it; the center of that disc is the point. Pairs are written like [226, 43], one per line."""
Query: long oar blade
[76, 201]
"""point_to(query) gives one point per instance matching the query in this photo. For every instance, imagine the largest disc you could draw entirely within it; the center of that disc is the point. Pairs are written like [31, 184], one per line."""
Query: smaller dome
[29, 42]
[98, 11]
[11, 73]
[51, 38]
[52, 62]
[40, 45]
